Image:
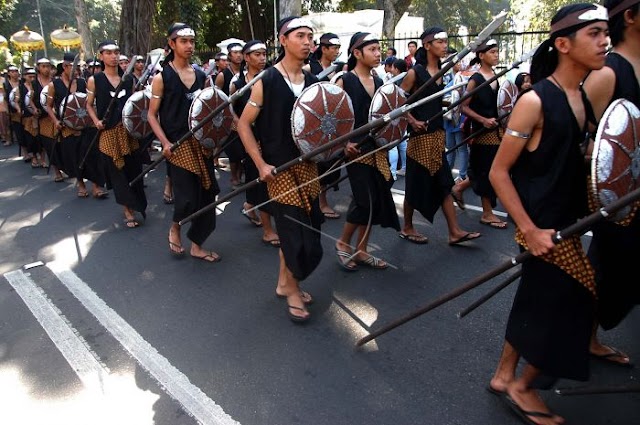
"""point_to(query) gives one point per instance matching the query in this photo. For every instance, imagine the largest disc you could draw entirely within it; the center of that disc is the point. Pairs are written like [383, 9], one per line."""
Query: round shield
[615, 161]
[44, 95]
[134, 114]
[387, 98]
[507, 95]
[13, 98]
[214, 132]
[75, 114]
[337, 76]
[321, 113]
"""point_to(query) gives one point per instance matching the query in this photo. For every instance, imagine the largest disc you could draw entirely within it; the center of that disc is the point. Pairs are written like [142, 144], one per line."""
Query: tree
[83, 26]
[136, 25]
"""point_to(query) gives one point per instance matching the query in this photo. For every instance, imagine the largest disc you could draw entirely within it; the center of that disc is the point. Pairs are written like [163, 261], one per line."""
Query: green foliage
[353, 5]
[537, 14]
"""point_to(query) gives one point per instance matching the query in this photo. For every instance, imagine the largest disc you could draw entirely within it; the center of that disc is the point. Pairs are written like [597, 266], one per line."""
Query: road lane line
[175, 383]
[71, 345]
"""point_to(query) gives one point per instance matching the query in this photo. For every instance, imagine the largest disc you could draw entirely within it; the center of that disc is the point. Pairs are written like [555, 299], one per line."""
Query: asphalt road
[112, 329]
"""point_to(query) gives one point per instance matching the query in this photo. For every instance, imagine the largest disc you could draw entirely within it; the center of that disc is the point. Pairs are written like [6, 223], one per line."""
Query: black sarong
[372, 201]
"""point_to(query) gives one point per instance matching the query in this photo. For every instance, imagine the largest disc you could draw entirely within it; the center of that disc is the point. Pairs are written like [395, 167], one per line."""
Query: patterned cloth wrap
[570, 257]
[426, 150]
[190, 156]
[116, 143]
[377, 160]
[30, 125]
[15, 117]
[290, 186]
[493, 137]
[46, 127]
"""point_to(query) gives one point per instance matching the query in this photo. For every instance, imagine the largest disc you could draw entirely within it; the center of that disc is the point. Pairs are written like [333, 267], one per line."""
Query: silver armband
[517, 134]
[90, 92]
[254, 104]
[155, 96]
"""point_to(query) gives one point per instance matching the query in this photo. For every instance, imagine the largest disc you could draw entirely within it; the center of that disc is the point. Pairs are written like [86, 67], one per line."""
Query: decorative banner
[3, 42]
[27, 40]
[66, 39]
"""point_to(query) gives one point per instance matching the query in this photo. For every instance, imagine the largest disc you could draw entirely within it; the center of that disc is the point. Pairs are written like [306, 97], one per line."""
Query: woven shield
[615, 161]
[507, 95]
[387, 98]
[322, 113]
[75, 115]
[134, 114]
[214, 132]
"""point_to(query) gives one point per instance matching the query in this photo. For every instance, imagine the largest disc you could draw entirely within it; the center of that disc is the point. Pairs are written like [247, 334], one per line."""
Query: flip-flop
[615, 353]
[83, 194]
[272, 242]
[255, 221]
[373, 262]
[294, 318]
[468, 237]
[179, 252]
[167, 199]
[131, 223]
[343, 259]
[58, 179]
[495, 224]
[307, 299]
[526, 415]
[214, 258]
[103, 194]
[495, 392]
[417, 239]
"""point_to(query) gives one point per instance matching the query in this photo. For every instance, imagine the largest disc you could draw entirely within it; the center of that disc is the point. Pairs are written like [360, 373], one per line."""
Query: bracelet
[517, 134]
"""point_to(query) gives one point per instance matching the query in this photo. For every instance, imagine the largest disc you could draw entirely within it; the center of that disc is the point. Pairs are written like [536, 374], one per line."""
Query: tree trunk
[136, 26]
[393, 11]
[289, 8]
[83, 27]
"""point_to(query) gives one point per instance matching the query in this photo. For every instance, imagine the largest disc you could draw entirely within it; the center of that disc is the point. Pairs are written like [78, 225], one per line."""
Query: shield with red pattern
[615, 161]
[322, 113]
[216, 130]
[74, 114]
[387, 98]
[134, 114]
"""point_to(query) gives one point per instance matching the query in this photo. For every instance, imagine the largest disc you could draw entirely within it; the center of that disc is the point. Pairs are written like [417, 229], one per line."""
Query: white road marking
[71, 345]
[175, 383]
[467, 206]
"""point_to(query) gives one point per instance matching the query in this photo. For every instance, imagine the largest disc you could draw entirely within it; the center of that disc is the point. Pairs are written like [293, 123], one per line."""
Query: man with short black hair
[410, 60]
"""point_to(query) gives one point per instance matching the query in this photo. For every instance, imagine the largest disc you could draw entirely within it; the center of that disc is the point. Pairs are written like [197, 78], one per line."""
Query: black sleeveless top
[176, 101]
[424, 112]
[550, 180]
[7, 92]
[228, 75]
[105, 92]
[626, 80]
[361, 102]
[239, 105]
[37, 88]
[316, 67]
[26, 112]
[274, 122]
[485, 101]
[61, 92]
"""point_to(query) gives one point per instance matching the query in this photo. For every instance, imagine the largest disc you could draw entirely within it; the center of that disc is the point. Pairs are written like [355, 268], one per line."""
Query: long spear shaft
[475, 134]
[201, 124]
[307, 156]
[577, 228]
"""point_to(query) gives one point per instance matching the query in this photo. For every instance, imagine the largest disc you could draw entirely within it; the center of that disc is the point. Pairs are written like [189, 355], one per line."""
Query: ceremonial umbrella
[3, 42]
[26, 40]
[66, 39]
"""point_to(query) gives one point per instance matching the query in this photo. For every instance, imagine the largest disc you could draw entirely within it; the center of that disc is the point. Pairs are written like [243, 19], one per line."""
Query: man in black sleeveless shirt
[119, 149]
[191, 165]
[614, 248]
[295, 204]
[538, 173]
